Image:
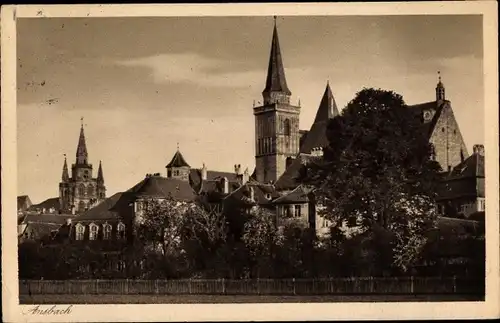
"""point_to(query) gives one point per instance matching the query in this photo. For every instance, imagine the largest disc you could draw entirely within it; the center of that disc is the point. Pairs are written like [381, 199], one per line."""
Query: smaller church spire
[327, 107]
[81, 151]
[65, 174]
[440, 97]
[100, 176]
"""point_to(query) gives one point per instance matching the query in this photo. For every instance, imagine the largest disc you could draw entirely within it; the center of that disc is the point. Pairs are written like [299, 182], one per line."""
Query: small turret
[440, 97]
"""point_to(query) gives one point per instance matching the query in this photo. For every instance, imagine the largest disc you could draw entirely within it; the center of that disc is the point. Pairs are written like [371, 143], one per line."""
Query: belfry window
[81, 190]
[286, 127]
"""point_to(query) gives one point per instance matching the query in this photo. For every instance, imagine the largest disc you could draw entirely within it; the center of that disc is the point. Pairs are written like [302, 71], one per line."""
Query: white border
[255, 312]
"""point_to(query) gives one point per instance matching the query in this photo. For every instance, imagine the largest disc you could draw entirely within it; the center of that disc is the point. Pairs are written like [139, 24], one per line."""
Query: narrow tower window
[286, 127]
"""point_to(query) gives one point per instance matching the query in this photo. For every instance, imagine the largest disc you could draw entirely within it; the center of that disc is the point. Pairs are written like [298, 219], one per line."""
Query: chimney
[204, 172]
[252, 193]
[246, 176]
[478, 149]
[225, 184]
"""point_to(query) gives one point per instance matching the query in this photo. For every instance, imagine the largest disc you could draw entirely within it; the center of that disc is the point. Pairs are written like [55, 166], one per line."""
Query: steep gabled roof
[418, 109]
[288, 180]
[102, 211]
[473, 166]
[263, 193]
[178, 161]
[316, 136]
[298, 195]
[47, 204]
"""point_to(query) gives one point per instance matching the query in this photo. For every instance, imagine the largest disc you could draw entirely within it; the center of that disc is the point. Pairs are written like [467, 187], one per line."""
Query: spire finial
[81, 121]
[177, 145]
[274, 17]
[439, 76]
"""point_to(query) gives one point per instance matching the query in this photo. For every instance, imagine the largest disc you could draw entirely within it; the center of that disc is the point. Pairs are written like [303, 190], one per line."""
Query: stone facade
[277, 138]
[81, 191]
[449, 146]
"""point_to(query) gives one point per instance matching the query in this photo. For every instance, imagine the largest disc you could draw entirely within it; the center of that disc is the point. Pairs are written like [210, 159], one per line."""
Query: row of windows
[291, 211]
[94, 230]
[266, 127]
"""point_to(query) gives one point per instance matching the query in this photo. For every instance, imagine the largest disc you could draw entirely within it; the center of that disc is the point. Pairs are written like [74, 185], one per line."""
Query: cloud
[196, 69]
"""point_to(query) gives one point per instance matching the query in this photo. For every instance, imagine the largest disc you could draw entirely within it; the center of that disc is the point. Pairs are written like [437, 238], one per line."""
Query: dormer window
[80, 231]
[120, 228]
[106, 230]
[93, 230]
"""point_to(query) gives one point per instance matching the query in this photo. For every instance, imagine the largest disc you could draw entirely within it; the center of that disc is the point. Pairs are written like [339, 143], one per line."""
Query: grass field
[193, 299]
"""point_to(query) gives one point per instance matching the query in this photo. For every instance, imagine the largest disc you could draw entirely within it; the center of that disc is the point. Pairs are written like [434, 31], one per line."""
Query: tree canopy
[377, 170]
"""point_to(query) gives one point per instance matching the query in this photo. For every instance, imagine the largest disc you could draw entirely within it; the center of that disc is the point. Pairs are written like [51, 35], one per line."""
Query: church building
[81, 191]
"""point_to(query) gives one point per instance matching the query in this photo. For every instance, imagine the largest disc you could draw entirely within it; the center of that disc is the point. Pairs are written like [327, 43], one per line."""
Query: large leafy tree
[377, 171]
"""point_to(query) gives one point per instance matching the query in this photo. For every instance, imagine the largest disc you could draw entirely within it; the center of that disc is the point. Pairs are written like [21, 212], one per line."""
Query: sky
[144, 85]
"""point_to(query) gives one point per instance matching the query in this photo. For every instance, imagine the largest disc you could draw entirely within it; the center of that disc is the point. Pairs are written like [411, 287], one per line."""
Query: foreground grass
[193, 299]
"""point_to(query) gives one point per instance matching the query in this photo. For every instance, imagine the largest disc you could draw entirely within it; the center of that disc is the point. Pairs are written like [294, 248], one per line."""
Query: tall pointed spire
[327, 108]
[276, 89]
[81, 151]
[65, 174]
[100, 176]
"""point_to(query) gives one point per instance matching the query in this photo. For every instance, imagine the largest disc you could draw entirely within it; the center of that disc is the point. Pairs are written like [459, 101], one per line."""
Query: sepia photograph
[270, 158]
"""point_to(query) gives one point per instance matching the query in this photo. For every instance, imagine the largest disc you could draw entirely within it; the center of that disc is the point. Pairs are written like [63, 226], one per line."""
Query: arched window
[93, 230]
[120, 230]
[286, 127]
[80, 230]
[106, 230]
[81, 190]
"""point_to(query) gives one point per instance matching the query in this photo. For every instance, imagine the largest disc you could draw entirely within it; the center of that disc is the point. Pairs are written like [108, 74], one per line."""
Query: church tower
[80, 191]
[178, 167]
[276, 121]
